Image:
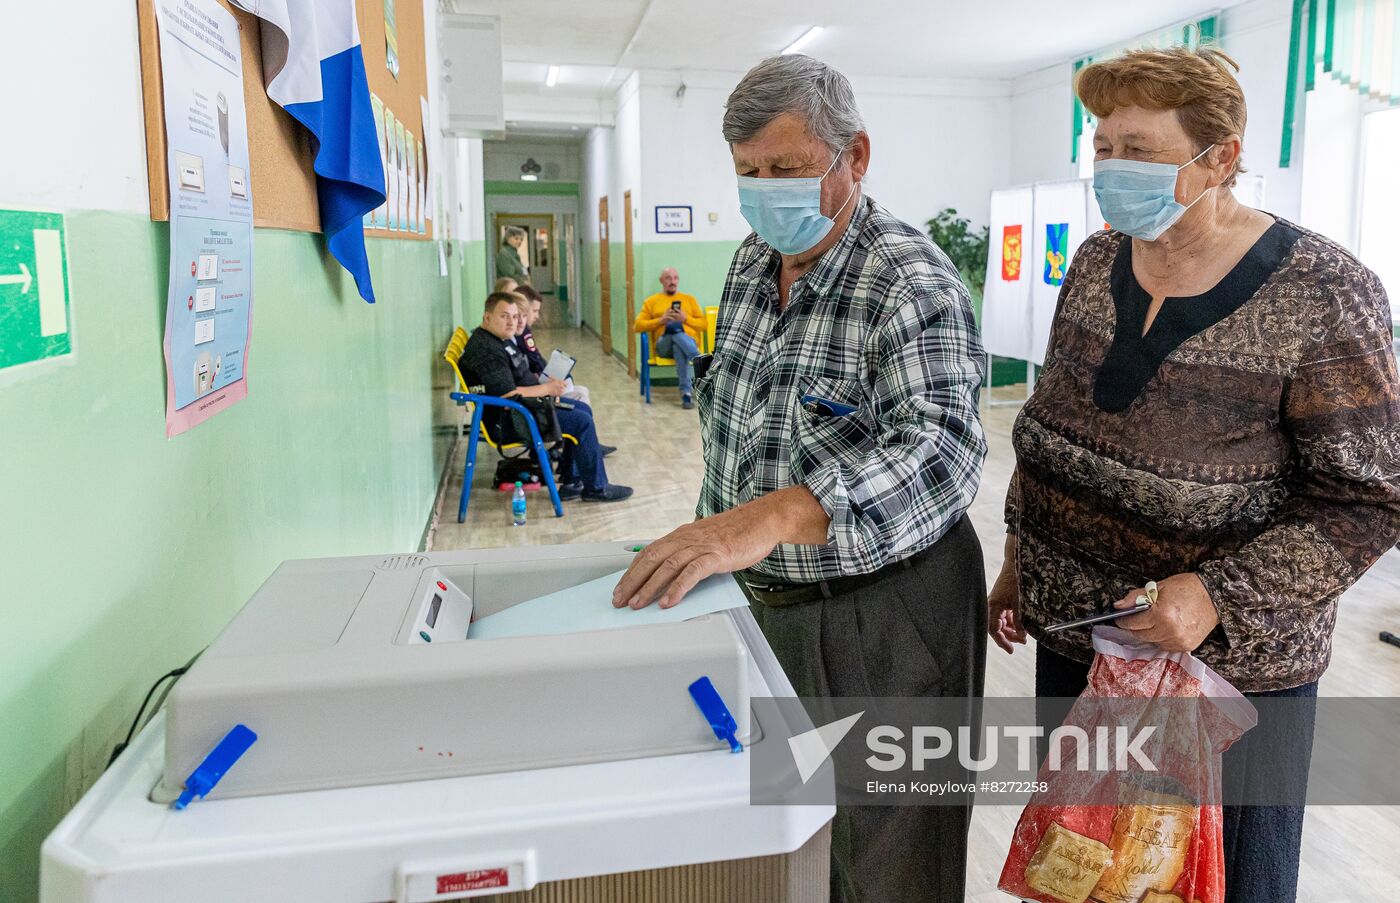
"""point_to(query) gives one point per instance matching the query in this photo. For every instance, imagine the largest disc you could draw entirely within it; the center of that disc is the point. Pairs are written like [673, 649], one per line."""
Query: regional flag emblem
[1011, 253]
[1056, 252]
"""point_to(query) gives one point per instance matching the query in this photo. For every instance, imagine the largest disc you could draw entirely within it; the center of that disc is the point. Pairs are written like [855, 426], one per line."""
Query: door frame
[604, 277]
[631, 277]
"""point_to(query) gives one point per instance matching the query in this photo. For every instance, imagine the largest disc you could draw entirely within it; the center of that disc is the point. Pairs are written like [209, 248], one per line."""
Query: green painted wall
[491, 187]
[475, 285]
[123, 553]
[701, 264]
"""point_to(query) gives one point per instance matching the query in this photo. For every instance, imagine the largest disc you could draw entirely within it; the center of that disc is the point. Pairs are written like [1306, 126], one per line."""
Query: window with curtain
[1356, 42]
[1379, 246]
[1191, 34]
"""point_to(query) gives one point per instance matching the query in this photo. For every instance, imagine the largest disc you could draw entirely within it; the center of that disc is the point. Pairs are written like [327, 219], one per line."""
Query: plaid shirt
[882, 323]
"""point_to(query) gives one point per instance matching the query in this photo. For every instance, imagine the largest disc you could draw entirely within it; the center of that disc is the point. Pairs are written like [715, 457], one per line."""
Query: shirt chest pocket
[821, 434]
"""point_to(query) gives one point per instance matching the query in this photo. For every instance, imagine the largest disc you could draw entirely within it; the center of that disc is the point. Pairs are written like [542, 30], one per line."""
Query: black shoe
[606, 450]
[686, 402]
[570, 491]
[609, 493]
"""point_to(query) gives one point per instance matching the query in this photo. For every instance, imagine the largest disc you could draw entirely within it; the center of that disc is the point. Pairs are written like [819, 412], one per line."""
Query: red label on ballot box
[480, 879]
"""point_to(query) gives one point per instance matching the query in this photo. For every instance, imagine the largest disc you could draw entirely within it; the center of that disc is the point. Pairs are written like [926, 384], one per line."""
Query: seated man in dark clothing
[493, 365]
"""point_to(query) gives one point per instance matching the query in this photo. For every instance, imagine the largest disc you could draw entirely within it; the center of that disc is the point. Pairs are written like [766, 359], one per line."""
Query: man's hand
[673, 316]
[1181, 619]
[549, 388]
[669, 568]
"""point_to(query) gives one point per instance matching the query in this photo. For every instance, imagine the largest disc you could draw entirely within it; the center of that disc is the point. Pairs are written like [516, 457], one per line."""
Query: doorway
[539, 251]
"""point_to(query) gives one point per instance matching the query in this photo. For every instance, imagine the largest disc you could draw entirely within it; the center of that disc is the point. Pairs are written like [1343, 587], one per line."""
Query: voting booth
[455, 725]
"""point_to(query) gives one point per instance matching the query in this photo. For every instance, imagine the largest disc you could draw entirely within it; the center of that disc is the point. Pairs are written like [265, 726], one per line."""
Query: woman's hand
[1182, 618]
[1004, 603]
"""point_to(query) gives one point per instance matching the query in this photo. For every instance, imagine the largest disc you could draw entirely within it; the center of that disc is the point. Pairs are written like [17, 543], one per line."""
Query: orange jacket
[655, 307]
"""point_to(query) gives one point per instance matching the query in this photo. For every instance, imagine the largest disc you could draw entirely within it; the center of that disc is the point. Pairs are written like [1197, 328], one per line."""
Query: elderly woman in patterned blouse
[1219, 412]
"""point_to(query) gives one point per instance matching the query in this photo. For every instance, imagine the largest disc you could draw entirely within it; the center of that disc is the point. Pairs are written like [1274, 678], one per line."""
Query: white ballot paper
[588, 606]
[560, 365]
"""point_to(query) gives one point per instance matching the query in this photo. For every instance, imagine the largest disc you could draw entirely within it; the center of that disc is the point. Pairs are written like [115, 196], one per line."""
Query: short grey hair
[513, 232]
[797, 84]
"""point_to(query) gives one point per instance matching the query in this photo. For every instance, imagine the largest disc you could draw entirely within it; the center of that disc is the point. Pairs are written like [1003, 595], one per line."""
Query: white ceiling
[910, 38]
[597, 43]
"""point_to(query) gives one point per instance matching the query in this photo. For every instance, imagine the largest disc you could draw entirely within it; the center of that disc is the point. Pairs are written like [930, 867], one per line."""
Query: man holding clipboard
[525, 340]
[491, 364]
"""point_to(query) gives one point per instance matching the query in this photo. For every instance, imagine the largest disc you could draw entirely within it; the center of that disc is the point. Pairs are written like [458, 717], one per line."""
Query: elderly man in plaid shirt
[842, 449]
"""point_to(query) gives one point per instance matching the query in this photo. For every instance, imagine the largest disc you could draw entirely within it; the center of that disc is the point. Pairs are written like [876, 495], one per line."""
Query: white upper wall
[468, 220]
[935, 143]
[85, 111]
[1255, 34]
[559, 160]
[612, 166]
[75, 133]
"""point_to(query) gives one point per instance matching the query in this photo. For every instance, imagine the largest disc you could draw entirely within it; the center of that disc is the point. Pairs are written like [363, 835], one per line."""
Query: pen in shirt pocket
[825, 407]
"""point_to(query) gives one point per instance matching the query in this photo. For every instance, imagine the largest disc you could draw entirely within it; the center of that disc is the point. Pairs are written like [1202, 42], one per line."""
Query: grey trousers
[921, 631]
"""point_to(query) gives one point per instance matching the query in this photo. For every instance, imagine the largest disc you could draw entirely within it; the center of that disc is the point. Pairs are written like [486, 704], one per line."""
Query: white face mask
[1139, 198]
[787, 213]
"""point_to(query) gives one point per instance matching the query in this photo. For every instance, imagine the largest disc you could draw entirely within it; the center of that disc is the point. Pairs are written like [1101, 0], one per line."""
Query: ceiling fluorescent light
[551, 76]
[803, 41]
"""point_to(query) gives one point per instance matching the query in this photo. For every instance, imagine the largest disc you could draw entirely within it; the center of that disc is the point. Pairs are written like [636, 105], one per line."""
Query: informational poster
[209, 307]
[391, 173]
[401, 171]
[391, 39]
[411, 146]
[430, 158]
[1006, 295]
[378, 218]
[424, 205]
[1056, 233]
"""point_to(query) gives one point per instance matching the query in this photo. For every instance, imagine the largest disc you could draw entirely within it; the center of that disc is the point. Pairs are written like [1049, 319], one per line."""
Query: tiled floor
[1349, 852]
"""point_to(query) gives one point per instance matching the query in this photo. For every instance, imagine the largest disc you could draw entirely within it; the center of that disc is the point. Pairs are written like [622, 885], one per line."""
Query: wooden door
[631, 284]
[604, 277]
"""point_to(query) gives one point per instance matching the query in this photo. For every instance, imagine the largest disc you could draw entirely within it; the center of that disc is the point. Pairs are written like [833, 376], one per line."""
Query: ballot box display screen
[441, 609]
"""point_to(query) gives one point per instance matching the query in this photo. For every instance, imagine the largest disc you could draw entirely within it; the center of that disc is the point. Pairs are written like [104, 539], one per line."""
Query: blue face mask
[1138, 198]
[787, 213]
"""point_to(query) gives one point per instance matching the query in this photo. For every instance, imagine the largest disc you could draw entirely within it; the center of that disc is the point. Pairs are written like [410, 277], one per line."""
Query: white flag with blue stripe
[315, 71]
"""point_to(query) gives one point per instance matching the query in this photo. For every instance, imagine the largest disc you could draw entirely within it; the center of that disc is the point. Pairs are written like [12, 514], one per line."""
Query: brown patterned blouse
[1252, 437]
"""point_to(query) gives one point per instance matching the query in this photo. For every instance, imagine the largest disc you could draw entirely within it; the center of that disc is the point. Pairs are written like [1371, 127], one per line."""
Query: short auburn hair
[1198, 84]
[497, 298]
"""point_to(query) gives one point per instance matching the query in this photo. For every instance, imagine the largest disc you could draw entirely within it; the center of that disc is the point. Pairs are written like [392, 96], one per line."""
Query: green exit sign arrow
[34, 299]
[23, 279]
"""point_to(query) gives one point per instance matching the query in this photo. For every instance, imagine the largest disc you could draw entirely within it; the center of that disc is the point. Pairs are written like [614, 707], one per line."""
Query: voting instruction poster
[209, 307]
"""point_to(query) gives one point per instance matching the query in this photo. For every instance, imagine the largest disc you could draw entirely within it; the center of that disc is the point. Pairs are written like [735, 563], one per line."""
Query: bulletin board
[280, 158]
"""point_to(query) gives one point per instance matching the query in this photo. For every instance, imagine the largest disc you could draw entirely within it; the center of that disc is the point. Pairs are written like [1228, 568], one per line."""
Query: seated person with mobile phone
[493, 365]
[675, 323]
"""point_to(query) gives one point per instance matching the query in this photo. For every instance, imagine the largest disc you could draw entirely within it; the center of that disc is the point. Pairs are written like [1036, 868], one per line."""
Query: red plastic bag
[1132, 829]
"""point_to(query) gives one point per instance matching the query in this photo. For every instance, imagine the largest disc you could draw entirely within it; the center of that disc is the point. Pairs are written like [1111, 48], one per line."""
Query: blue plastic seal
[716, 713]
[228, 751]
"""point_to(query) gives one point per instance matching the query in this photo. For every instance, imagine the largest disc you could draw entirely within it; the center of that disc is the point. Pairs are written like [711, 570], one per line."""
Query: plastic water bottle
[517, 505]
